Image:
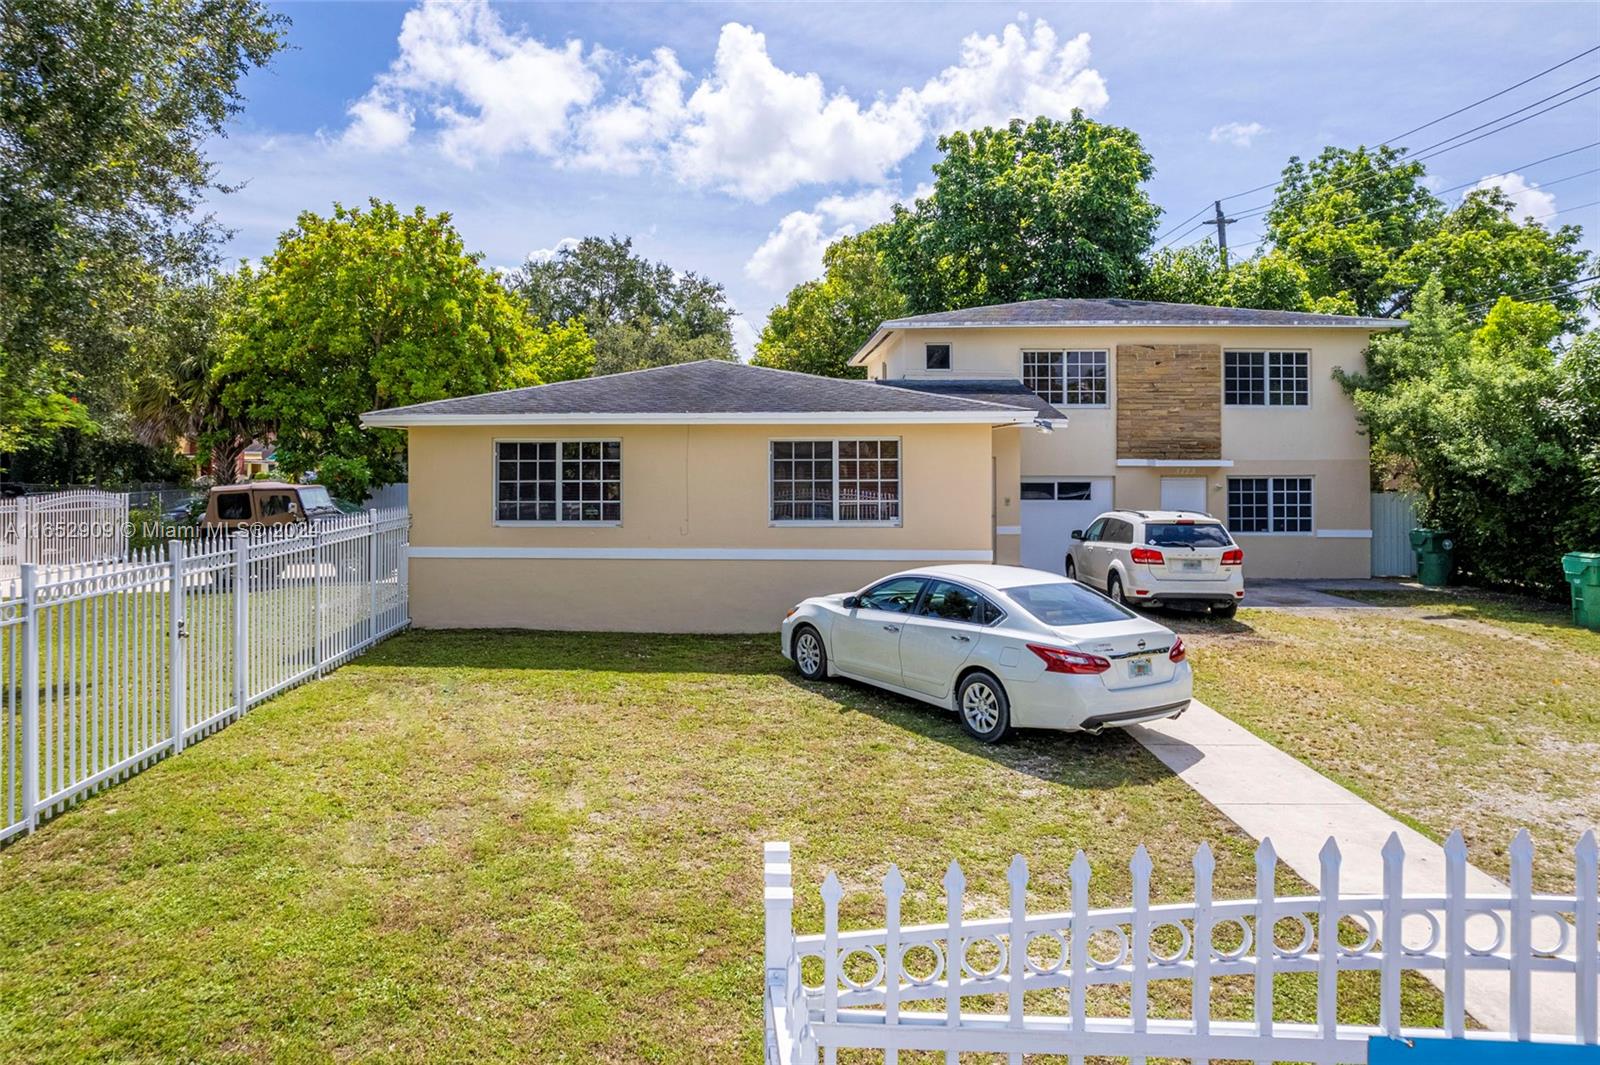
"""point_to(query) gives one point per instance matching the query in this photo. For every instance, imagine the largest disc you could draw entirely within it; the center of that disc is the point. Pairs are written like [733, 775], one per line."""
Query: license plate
[1190, 565]
[1138, 667]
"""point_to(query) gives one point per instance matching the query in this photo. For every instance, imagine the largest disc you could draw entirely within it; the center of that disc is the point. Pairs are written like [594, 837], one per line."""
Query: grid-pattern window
[1269, 504]
[1266, 378]
[1067, 378]
[558, 480]
[836, 480]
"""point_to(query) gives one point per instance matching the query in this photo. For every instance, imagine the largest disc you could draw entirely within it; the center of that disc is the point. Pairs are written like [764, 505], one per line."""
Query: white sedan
[1002, 646]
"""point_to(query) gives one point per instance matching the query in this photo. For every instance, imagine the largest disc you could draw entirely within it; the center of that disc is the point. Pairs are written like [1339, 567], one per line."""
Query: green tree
[363, 310]
[822, 323]
[638, 313]
[560, 352]
[1367, 231]
[1040, 209]
[178, 395]
[104, 111]
[1269, 281]
[1490, 422]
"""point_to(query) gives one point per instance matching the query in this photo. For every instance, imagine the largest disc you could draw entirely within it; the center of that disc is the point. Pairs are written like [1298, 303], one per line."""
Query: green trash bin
[1583, 573]
[1435, 550]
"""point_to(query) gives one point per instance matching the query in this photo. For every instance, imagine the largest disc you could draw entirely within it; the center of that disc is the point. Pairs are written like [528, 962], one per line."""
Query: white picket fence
[63, 528]
[902, 987]
[107, 666]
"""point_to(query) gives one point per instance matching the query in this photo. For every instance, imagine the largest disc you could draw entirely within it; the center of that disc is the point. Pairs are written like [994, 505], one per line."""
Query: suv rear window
[1067, 604]
[233, 506]
[1199, 534]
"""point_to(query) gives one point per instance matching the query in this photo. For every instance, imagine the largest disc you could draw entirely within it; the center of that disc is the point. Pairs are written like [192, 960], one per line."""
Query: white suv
[1160, 557]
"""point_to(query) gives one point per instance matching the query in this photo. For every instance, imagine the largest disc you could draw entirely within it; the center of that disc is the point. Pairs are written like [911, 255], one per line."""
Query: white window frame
[1266, 370]
[1105, 359]
[558, 520]
[836, 521]
[1273, 503]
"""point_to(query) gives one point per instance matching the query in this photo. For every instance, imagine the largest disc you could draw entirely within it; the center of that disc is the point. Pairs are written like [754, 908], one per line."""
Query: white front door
[1051, 508]
[1184, 493]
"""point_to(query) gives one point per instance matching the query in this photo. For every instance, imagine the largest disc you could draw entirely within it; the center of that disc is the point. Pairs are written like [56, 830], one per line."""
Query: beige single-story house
[711, 496]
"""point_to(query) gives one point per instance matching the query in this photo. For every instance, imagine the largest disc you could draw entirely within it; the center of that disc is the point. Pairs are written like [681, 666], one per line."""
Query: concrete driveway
[1278, 594]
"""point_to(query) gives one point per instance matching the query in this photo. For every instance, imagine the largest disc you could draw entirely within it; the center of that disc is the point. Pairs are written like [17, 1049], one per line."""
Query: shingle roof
[1007, 392]
[706, 388]
[1129, 312]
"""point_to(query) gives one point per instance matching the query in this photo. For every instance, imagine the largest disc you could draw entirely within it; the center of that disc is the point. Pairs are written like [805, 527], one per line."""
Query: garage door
[1051, 509]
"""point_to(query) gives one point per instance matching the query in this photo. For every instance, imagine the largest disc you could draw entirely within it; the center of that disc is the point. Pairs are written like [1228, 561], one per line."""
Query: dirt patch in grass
[495, 846]
[1448, 710]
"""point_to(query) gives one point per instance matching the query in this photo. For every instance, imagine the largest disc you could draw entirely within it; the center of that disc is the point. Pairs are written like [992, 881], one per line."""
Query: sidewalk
[1267, 793]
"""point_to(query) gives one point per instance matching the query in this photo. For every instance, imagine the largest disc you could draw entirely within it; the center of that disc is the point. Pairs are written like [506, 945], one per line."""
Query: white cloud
[1238, 134]
[1530, 199]
[491, 91]
[745, 336]
[379, 123]
[544, 255]
[792, 253]
[747, 127]
[1022, 73]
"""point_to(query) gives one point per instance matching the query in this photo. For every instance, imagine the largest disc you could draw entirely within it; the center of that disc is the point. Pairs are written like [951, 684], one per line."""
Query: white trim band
[1171, 464]
[709, 554]
[1346, 534]
[1008, 530]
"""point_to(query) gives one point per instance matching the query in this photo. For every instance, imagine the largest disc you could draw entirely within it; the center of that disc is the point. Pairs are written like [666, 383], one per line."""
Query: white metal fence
[63, 528]
[107, 666]
[902, 987]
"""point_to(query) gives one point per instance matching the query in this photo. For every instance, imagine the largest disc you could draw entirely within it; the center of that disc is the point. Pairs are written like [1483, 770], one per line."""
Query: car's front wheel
[983, 707]
[810, 657]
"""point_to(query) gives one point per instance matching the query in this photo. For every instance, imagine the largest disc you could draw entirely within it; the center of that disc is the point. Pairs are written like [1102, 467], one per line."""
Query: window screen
[836, 480]
[1270, 504]
[1069, 378]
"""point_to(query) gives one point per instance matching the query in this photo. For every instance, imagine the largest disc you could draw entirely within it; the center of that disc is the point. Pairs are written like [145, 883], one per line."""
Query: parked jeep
[232, 506]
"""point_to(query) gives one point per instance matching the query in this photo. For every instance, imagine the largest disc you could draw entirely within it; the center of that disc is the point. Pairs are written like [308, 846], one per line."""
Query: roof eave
[1370, 325]
[998, 416]
[878, 336]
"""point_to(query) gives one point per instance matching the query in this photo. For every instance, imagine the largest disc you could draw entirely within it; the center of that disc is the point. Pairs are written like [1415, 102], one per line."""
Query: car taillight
[1149, 556]
[1061, 660]
[1233, 556]
[1179, 652]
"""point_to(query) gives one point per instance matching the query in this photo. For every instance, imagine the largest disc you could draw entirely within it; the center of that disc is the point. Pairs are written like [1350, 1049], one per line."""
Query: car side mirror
[851, 602]
[1077, 534]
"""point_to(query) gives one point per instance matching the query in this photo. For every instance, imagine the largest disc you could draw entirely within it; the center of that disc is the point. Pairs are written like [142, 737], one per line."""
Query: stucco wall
[1320, 440]
[695, 550]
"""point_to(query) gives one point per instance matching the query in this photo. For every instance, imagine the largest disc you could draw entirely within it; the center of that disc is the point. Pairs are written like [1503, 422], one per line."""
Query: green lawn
[503, 846]
[1449, 710]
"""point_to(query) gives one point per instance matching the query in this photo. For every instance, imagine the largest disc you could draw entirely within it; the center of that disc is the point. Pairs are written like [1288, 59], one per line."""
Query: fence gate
[64, 528]
[1394, 515]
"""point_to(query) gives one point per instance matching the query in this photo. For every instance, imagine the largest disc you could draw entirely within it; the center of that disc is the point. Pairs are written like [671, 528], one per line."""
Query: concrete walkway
[1267, 793]
[1280, 594]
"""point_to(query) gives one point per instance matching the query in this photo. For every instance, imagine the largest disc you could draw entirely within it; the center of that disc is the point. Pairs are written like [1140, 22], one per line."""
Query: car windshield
[316, 498]
[1067, 604]
[1175, 534]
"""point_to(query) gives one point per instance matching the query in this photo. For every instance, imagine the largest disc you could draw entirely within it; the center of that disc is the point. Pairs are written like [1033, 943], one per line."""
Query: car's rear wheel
[810, 656]
[1114, 590]
[1224, 610]
[982, 705]
[1072, 570]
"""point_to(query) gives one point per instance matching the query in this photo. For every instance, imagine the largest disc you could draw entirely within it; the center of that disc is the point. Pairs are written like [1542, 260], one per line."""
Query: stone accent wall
[1169, 401]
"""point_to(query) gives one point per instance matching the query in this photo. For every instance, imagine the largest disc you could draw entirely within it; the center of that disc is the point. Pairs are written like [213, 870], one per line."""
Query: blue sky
[736, 139]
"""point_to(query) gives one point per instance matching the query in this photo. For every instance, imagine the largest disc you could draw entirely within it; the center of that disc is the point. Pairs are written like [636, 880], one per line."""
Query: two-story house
[1230, 411]
[711, 496]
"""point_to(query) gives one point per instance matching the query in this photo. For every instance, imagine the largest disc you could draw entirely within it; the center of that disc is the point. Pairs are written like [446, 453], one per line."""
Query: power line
[1492, 96]
[1552, 292]
[1191, 218]
[1441, 118]
[1518, 111]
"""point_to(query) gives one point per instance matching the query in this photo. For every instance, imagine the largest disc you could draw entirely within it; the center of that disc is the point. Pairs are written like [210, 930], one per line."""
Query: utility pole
[1221, 222]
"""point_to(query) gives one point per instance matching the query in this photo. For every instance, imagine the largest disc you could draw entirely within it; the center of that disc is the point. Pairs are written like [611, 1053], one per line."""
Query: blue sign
[1384, 1051]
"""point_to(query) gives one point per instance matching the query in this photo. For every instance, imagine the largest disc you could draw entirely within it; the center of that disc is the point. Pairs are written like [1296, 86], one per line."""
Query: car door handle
[962, 639]
[891, 628]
